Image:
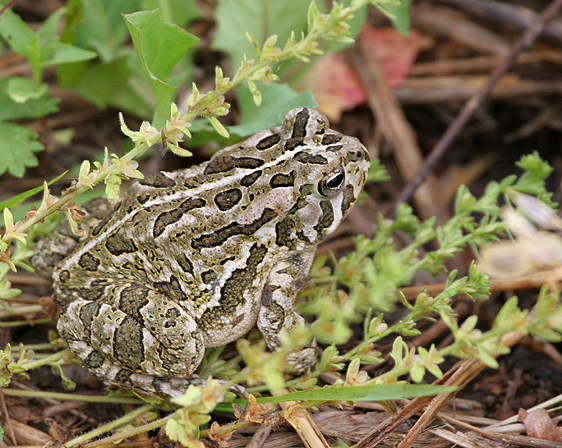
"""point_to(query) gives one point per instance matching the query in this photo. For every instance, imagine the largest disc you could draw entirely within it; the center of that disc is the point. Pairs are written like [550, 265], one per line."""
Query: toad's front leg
[134, 336]
[276, 314]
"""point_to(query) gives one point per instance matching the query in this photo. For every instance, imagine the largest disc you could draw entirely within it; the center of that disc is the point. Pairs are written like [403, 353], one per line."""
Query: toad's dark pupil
[336, 181]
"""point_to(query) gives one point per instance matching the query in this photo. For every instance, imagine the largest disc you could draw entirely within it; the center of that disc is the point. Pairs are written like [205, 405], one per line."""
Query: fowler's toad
[195, 258]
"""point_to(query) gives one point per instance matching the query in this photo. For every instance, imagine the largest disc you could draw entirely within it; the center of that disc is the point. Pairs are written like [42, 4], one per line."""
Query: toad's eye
[331, 183]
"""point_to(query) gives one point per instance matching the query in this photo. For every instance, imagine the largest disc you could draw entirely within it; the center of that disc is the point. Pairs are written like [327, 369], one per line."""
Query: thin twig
[10, 3]
[511, 14]
[305, 427]
[7, 420]
[474, 102]
[260, 436]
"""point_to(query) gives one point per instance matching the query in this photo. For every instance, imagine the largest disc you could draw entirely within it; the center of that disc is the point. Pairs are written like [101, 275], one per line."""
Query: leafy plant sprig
[332, 26]
[375, 270]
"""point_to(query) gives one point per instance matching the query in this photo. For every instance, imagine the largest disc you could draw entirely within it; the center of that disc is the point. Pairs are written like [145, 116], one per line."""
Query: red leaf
[395, 52]
[335, 85]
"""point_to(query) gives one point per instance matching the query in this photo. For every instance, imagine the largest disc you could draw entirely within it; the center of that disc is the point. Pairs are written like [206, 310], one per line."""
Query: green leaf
[20, 89]
[32, 108]
[17, 145]
[15, 31]
[18, 199]
[65, 53]
[6, 292]
[277, 100]
[117, 84]
[102, 27]
[159, 46]
[42, 48]
[74, 13]
[48, 31]
[180, 12]
[260, 19]
[372, 392]
[417, 372]
[401, 13]
[217, 125]
[535, 166]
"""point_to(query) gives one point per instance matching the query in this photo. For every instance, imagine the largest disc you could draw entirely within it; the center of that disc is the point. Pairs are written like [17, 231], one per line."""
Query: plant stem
[21, 323]
[21, 310]
[114, 424]
[55, 357]
[70, 397]
[43, 213]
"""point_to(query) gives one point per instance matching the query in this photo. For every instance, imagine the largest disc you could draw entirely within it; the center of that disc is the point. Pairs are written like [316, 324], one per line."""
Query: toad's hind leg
[143, 340]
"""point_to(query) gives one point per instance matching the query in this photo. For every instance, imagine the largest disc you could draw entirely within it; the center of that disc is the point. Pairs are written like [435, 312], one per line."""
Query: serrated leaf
[17, 145]
[159, 46]
[33, 108]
